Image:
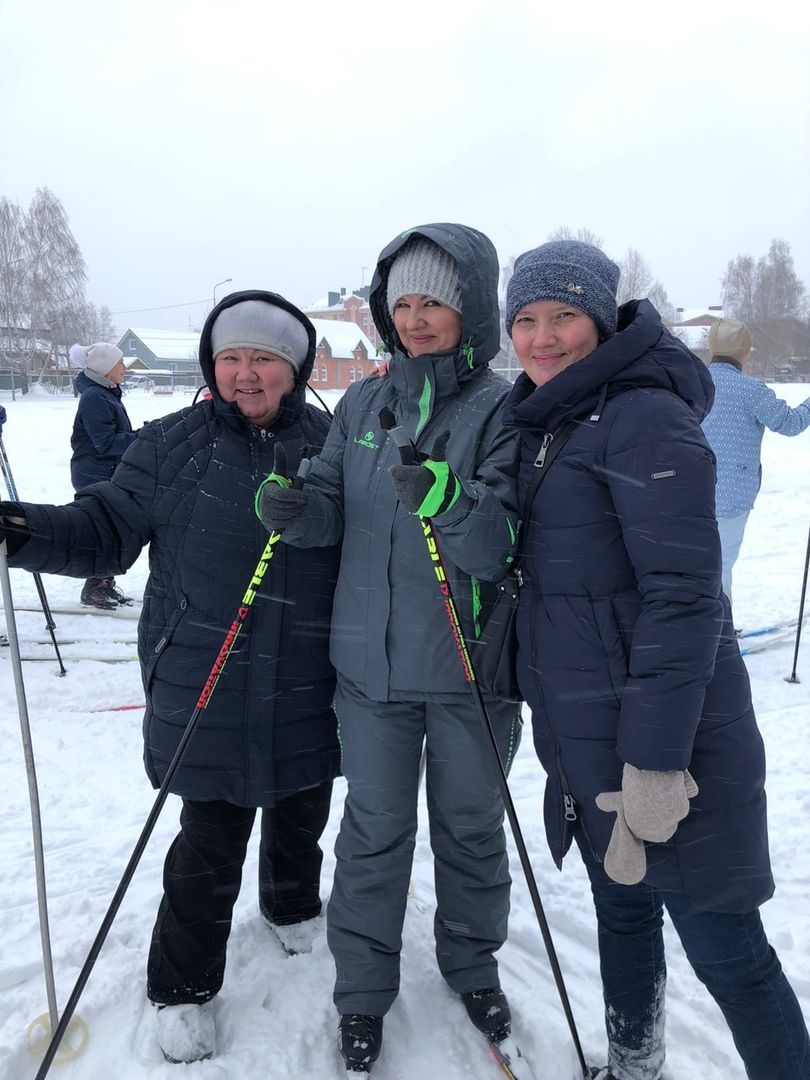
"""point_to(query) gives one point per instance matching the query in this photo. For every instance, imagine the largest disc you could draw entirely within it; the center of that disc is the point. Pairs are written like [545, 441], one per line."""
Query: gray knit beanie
[424, 269]
[100, 358]
[255, 324]
[569, 272]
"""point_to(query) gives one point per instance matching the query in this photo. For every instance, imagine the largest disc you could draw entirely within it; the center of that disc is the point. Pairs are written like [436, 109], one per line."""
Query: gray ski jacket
[390, 633]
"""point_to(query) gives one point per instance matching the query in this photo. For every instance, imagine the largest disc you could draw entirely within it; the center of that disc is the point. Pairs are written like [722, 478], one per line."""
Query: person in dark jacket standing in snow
[434, 301]
[267, 738]
[101, 434]
[641, 704]
[743, 407]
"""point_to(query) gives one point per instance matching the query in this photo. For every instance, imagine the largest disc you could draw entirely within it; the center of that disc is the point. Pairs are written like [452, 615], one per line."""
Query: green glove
[428, 489]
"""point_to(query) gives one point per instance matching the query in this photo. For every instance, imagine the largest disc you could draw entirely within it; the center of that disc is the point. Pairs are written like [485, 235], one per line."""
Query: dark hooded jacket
[186, 487]
[101, 432]
[627, 651]
[390, 636]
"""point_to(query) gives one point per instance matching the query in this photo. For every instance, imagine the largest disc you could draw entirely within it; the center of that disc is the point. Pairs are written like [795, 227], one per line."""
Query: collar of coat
[726, 360]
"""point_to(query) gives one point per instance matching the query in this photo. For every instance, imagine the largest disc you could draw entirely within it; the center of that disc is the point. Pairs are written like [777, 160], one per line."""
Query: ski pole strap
[443, 492]
[271, 478]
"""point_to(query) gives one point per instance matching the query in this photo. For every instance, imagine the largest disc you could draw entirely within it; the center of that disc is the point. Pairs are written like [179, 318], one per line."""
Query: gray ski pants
[381, 747]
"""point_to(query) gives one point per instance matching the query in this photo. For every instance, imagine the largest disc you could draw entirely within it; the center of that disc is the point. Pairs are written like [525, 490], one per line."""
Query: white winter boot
[186, 1032]
[298, 937]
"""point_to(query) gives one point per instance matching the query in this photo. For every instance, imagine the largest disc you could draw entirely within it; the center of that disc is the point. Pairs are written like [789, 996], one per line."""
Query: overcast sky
[283, 144]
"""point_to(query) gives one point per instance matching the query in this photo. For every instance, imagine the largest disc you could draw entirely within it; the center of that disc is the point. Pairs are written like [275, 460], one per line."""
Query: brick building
[343, 354]
[339, 307]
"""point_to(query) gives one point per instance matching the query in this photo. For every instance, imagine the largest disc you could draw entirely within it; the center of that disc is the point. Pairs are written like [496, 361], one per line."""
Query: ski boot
[186, 1032]
[359, 1041]
[95, 594]
[489, 1011]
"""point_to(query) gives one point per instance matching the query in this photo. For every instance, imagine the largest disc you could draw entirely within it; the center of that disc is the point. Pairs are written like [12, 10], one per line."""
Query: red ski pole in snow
[241, 615]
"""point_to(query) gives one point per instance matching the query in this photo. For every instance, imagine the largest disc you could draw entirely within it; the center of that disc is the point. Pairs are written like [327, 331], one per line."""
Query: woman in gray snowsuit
[434, 300]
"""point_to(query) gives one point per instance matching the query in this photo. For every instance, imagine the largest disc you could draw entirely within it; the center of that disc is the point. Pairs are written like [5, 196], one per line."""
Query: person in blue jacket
[267, 738]
[743, 408]
[640, 701]
[101, 433]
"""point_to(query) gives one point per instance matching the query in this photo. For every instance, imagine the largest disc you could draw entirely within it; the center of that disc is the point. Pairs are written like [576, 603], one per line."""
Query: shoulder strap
[549, 448]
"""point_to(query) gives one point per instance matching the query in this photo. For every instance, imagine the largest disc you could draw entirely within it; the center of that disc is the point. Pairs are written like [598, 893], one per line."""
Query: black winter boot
[115, 594]
[489, 1011]
[360, 1040]
[94, 594]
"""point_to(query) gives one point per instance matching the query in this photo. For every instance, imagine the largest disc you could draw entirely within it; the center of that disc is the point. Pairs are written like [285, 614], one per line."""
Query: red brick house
[342, 308]
[343, 354]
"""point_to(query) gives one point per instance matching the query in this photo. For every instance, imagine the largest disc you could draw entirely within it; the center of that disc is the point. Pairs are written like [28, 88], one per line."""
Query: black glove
[428, 489]
[278, 503]
[2, 420]
[13, 527]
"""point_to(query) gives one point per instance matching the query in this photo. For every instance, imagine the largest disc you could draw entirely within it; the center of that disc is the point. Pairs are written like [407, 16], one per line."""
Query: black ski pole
[793, 677]
[407, 454]
[205, 696]
[43, 600]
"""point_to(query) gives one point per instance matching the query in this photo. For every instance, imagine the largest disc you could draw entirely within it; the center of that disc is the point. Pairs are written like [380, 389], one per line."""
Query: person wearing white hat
[743, 408]
[101, 433]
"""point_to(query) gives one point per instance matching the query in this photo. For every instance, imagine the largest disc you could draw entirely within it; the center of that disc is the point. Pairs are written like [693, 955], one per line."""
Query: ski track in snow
[275, 1017]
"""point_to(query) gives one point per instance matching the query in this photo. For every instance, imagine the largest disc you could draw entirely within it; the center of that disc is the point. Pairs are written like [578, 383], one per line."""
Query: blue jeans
[732, 530]
[730, 955]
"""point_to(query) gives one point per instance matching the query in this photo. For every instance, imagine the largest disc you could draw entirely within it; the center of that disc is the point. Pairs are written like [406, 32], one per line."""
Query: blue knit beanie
[569, 272]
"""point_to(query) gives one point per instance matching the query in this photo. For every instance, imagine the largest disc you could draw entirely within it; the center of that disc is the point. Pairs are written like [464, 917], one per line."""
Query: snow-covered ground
[275, 1017]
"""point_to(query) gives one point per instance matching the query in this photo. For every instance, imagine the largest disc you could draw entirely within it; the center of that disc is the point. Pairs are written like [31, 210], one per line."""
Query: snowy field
[275, 1017]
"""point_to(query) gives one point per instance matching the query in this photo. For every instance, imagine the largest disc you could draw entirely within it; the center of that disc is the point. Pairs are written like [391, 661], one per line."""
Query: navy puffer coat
[101, 432]
[626, 649]
[186, 487]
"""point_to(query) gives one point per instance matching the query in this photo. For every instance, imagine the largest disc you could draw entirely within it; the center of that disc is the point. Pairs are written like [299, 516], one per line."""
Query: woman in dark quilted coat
[101, 433]
[640, 701]
[267, 737]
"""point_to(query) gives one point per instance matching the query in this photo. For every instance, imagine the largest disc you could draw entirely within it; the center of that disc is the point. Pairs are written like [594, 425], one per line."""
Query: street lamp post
[225, 282]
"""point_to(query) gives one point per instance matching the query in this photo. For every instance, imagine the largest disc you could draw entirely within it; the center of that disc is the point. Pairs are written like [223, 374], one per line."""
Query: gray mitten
[655, 802]
[649, 807]
[625, 859]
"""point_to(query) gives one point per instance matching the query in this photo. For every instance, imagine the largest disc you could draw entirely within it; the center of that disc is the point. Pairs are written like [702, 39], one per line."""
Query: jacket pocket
[164, 638]
[614, 646]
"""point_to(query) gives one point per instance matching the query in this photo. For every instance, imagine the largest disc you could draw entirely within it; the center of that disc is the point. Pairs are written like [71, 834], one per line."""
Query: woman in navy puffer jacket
[640, 701]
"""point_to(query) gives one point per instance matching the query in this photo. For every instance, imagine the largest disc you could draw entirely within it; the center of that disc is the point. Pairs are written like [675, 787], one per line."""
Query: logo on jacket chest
[367, 440]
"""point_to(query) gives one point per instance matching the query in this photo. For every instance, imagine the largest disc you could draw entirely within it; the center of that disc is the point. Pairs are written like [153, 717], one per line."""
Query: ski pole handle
[302, 474]
[398, 436]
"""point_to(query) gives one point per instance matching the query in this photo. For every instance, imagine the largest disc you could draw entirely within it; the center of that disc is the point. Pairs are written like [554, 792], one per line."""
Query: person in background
[640, 700]
[101, 433]
[400, 683]
[267, 738]
[743, 408]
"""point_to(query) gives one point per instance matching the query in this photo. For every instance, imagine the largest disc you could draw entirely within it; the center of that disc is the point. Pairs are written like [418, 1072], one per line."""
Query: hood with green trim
[478, 272]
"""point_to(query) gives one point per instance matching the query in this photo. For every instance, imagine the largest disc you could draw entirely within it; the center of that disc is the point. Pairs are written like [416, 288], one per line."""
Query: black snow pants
[201, 879]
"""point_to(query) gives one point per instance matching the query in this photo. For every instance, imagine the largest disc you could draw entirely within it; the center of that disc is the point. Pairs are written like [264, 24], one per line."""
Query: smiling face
[256, 380]
[426, 325]
[549, 337]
